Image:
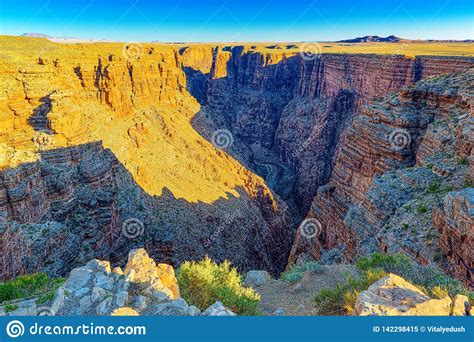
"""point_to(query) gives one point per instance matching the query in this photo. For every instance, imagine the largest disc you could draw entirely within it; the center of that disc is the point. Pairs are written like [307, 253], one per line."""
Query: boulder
[217, 309]
[177, 307]
[394, 296]
[142, 271]
[140, 267]
[257, 278]
[124, 311]
[460, 305]
[166, 274]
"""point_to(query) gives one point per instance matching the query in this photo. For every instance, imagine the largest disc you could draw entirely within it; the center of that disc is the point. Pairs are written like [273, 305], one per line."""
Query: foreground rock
[394, 296]
[257, 278]
[144, 288]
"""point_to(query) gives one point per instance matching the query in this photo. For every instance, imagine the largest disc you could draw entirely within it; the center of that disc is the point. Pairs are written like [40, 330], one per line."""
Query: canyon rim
[271, 156]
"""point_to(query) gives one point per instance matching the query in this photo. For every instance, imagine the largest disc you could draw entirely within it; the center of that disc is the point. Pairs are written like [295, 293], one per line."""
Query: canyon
[106, 148]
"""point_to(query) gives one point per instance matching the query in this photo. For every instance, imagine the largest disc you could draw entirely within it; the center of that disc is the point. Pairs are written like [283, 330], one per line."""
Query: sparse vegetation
[421, 209]
[434, 187]
[29, 285]
[295, 273]
[10, 307]
[341, 300]
[204, 282]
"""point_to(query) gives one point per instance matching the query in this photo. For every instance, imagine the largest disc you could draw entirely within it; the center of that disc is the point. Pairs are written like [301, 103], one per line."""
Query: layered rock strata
[399, 160]
[287, 112]
[97, 156]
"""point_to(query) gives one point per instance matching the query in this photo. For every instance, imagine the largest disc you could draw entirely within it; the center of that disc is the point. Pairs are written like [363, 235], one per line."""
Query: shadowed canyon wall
[287, 113]
[98, 156]
[100, 152]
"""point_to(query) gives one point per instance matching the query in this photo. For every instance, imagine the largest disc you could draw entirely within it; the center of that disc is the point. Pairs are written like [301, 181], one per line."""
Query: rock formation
[400, 159]
[287, 113]
[98, 157]
[394, 296]
[143, 288]
[107, 147]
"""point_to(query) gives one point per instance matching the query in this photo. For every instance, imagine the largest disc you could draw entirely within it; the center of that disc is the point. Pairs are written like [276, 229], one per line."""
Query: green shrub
[204, 282]
[421, 209]
[463, 161]
[434, 187]
[10, 307]
[27, 286]
[295, 273]
[427, 277]
[341, 300]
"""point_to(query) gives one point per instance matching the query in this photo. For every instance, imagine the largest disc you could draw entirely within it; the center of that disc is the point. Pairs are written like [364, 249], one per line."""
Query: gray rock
[81, 292]
[85, 304]
[159, 296]
[58, 301]
[78, 278]
[121, 298]
[102, 280]
[140, 303]
[279, 312]
[98, 266]
[104, 308]
[217, 309]
[194, 311]
[177, 307]
[257, 278]
[98, 294]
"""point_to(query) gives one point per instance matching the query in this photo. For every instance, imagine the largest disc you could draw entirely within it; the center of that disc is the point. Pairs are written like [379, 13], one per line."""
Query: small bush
[434, 187]
[421, 209]
[10, 307]
[295, 272]
[204, 282]
[463, 161]
[341, 300]
[439, 292]
[27, 286]
[427, 277]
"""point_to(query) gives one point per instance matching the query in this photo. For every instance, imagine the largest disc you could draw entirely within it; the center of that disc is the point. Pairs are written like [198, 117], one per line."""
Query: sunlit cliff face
[133, 98]
[134, 101]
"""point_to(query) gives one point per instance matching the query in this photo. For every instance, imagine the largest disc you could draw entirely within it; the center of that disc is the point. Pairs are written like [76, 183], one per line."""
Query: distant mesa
[372, 39]
[67, 40]
[35, 35]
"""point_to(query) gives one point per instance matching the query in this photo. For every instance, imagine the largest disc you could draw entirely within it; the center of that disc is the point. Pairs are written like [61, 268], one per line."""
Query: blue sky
[244, 20]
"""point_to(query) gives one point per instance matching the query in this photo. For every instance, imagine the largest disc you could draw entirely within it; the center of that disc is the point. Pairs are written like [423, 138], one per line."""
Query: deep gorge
[288, 116]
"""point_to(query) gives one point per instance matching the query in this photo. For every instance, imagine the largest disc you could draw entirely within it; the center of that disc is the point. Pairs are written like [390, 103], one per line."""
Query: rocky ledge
[142, 288]
[394, 296]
